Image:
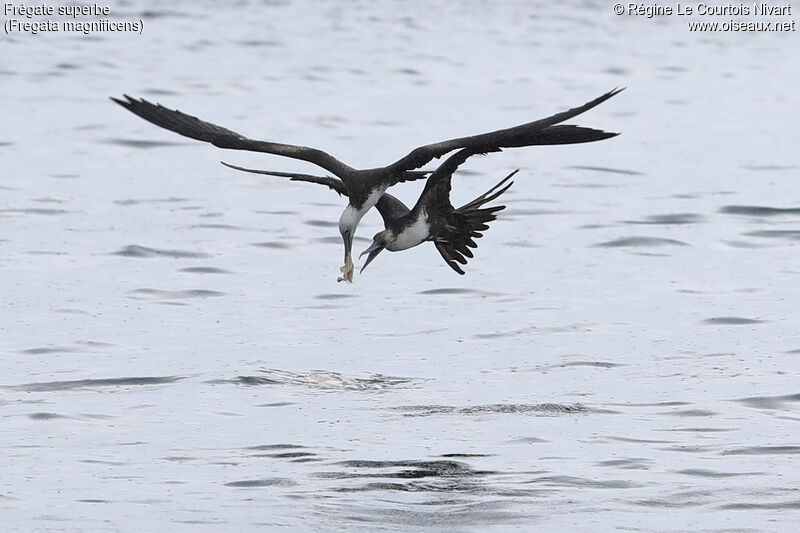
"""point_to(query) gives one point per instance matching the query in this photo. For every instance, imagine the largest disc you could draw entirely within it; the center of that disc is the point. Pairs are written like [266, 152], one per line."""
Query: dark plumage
[364, 188]
[433, 218]
[454, 231]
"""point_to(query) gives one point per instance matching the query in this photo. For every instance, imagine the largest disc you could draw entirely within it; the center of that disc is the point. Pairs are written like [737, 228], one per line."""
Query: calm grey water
[623, 352]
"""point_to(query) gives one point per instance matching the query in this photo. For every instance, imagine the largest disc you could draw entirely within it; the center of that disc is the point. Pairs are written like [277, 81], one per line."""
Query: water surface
[622, 353]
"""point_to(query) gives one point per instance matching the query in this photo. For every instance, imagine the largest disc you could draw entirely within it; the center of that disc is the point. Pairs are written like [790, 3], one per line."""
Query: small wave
[692, 413]
[633, 463]
[731, 321]
[542, 408]
[270, 482]
[669, 219]
[641, 242]
[444, 476]
[771, 505]
[711, 474]
[596, 364]
[205, 270]
[250, 43]
[34, 211]
[40, 350]
[335, 296]
[764, 450]
[676, 501]
[262, 447]
[45, 416]
[135, 250]
[320, 223]
[759, 211]
[793, 235]
[770, 402]
[573, 481]
[132, 201]
[274, 245]
[458, 290]
[178, 294]
[220, 226]
[323, 380]
[49, 386]
[609, 170]
[139, 143]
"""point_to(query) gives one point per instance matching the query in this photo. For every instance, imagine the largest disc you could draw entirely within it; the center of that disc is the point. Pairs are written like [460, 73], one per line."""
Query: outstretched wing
[523, 135]
[389, 207]
[333, 183]
[437, 188]
[194, 128]
[436, 194]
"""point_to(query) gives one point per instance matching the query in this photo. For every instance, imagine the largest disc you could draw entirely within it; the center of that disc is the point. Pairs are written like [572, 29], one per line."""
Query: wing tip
[120, 101]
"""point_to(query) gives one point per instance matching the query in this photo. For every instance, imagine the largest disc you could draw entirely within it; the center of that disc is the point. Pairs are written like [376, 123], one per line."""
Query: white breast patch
[412, 236]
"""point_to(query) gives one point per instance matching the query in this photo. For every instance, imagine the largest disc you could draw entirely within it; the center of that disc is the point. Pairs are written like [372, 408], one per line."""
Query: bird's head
[379, 242]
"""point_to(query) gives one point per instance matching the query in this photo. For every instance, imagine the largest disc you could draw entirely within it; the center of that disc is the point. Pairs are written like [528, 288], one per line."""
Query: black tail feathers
[467, 224]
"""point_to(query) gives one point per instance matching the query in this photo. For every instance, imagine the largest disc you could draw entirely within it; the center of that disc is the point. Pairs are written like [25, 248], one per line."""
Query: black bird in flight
[433, 218]
[365, 187]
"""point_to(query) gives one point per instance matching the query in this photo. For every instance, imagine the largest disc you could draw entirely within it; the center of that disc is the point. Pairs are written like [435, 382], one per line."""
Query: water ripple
[45, 416]
[135, 250]
[458, 290]
[669, 219]
[759, 211]
[792, 235]
[205, 270]
[320, 379]
[168, 294]
[49, 349]
[795, 504]
[414, 469]
[132, 201]
[770, 402]
[94, 383]
[270, 482]
[641, 242]
[33, 211]
[731, 321]
[634, 463]
[542, 408]
[610, 170]
[139, 143]
[274, 245]
[581, 482]
[764, 450]
[712, 474]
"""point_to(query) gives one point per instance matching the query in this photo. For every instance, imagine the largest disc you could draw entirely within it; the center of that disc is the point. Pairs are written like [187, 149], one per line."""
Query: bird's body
[364, 188]
[452, 230]
[418, 230]
[433, 218]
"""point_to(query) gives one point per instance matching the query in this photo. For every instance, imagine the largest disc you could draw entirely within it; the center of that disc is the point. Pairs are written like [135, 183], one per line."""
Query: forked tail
[467, 224]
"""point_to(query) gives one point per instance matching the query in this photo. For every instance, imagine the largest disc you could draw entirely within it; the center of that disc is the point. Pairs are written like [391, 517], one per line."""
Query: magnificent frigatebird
[433, 218]
[452, 230]
[365, 187]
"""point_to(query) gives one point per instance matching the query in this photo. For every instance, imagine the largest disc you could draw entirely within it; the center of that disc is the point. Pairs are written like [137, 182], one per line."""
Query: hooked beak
[347, 237]
[373, 251]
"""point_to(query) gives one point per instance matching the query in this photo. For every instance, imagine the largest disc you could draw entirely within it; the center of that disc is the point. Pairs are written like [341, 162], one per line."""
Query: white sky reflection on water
[622, 353]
